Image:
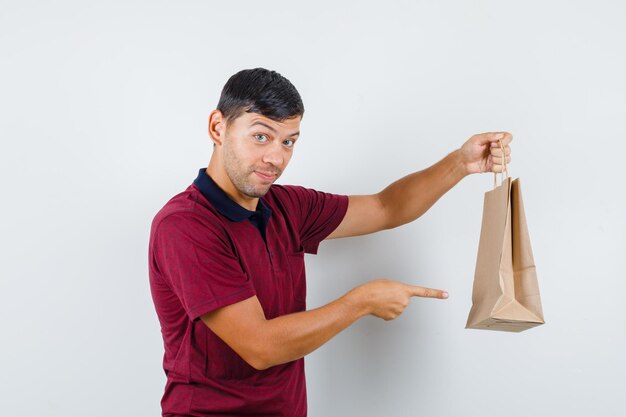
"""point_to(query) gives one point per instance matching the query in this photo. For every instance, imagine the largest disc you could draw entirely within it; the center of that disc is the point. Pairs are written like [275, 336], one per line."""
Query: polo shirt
[206, 252]
[227, 207]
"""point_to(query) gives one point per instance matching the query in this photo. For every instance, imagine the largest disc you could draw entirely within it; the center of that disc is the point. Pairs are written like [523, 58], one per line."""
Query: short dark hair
[260, 91]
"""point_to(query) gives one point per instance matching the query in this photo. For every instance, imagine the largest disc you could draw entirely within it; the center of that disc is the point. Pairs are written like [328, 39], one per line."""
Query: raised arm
[409, 197]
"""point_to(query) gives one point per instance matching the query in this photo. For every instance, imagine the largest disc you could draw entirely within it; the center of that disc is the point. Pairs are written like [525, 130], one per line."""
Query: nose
[274, 155]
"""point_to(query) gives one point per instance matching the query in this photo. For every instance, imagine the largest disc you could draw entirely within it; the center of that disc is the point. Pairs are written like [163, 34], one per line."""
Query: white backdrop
[103, 110]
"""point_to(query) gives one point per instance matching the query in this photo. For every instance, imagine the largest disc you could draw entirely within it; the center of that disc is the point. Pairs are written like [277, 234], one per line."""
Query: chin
[263, 191]
[256, 192]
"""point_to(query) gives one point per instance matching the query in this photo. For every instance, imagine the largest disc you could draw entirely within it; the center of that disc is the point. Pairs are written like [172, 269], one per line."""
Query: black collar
[220, 200]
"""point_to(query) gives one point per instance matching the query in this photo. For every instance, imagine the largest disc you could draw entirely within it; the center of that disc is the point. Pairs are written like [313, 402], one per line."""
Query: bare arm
[411, 196]
[264, 343]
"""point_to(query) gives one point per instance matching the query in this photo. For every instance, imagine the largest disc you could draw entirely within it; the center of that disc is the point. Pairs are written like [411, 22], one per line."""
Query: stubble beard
[240, 175]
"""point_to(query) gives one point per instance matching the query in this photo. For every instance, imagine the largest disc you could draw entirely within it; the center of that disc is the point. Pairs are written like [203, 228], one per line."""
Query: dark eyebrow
[271, 128]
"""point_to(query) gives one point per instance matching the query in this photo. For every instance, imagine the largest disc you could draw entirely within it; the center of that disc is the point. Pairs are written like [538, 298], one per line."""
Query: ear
[217, 127]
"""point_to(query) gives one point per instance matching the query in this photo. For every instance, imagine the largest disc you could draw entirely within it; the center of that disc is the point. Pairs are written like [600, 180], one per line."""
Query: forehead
[255, 120]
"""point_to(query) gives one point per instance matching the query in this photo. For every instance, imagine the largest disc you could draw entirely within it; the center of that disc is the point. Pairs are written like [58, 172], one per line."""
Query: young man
[226, 256]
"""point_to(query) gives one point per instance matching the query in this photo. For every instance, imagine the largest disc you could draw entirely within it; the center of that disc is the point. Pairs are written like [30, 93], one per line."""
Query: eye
[261, 138]
[289, 143]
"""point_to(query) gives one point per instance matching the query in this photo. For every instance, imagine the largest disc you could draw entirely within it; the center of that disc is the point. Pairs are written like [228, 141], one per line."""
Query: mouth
[267, 176]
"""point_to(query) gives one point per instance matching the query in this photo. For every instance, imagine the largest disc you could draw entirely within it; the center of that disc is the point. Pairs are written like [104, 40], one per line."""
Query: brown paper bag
[506, 293]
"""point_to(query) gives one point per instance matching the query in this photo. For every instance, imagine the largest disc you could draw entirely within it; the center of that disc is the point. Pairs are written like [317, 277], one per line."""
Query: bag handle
[506, 169]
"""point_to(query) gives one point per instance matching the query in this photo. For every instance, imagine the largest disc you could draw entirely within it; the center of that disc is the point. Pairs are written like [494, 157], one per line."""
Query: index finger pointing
[416, 291]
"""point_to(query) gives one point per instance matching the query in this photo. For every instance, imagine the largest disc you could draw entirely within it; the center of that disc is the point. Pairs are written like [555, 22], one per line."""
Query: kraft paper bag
[506, 293]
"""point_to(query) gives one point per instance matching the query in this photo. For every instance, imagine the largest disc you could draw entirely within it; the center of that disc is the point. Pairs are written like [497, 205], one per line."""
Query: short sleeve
[317, 214]
[199, 264]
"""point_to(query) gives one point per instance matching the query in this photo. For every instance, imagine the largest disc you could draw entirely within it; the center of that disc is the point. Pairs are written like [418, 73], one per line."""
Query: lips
[266, 176]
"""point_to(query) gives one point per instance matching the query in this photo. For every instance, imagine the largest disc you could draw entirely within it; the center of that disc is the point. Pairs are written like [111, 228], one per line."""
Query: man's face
[256, 151]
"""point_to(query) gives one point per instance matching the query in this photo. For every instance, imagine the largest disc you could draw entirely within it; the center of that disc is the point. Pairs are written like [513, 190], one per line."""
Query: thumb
[491, 137]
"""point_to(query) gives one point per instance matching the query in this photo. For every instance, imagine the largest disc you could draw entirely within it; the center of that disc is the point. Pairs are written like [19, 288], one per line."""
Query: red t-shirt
[206, 253]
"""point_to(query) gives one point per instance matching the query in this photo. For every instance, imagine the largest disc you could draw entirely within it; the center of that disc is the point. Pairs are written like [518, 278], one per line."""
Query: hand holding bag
[506, 293]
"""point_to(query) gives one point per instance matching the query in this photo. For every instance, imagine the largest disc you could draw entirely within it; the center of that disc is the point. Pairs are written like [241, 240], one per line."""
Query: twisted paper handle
[506, 169]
